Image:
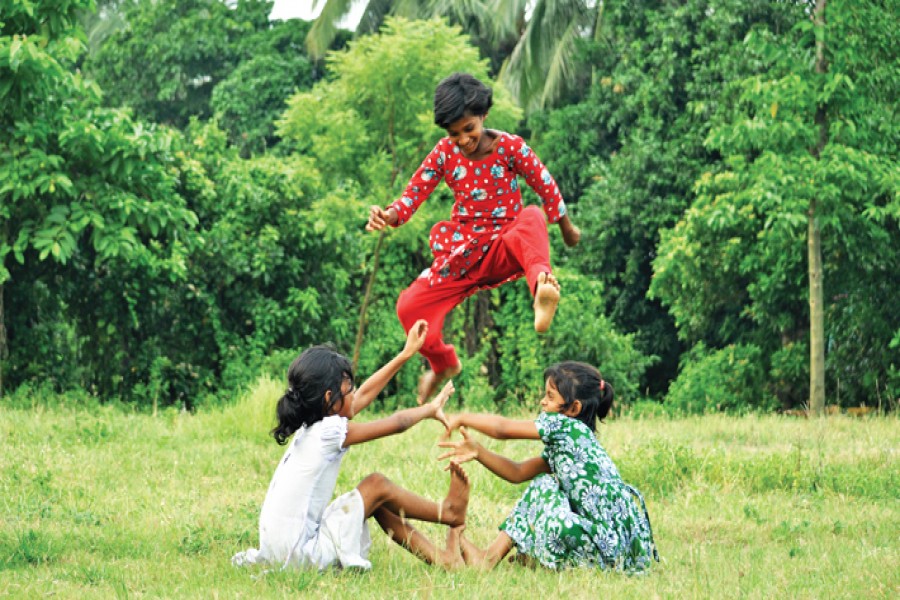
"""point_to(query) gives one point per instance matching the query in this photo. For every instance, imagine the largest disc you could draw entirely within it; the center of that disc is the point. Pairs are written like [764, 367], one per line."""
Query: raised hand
[416, 337]
[439, 401]
[461, 451]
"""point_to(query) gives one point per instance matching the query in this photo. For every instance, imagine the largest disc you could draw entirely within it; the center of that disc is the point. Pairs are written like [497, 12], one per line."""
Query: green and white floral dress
[582, 513]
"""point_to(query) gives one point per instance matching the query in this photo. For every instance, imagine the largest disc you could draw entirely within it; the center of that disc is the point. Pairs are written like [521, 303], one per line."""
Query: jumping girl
[297, 525]
[577, 511]
[490, 238]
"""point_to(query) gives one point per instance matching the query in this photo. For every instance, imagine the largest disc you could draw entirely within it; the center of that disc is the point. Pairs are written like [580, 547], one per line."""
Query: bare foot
[455, 505]
[451, 557]
[472, 554]
[546, 299]
[430, 382]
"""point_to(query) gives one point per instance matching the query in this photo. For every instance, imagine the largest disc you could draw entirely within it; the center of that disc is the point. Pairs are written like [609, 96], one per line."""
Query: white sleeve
[334, 432]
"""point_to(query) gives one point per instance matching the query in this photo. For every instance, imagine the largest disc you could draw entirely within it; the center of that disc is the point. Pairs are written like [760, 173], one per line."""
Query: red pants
[524, 247]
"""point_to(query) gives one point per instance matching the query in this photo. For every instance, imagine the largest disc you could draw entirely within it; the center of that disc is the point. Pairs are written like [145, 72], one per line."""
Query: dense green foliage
[182, 198]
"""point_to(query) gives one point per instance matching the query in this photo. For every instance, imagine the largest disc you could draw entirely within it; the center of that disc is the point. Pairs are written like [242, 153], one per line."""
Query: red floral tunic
[487, 200]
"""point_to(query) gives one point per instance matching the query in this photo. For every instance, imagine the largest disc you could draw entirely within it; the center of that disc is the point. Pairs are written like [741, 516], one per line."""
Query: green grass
[99, 503]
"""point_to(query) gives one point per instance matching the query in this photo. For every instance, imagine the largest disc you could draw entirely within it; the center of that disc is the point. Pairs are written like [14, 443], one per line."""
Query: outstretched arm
[501, 466]
[400, 421]
[495, 426]
[419, 188]
[374, 384]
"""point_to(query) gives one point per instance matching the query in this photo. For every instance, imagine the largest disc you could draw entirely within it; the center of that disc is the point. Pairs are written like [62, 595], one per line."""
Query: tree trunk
[816, 316]
[814, 247]
[361, 325]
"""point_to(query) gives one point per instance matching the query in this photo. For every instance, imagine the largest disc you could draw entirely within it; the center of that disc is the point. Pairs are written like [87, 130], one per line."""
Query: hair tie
[602, 385]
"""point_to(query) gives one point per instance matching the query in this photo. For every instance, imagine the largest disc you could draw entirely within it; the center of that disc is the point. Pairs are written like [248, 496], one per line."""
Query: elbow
[518, 477]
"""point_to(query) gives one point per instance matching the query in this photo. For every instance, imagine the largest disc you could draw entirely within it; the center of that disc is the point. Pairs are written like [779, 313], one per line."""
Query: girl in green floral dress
[577, 511]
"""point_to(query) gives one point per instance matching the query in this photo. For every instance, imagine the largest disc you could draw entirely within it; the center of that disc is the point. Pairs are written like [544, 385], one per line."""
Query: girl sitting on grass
[577, 511]
[297, 525]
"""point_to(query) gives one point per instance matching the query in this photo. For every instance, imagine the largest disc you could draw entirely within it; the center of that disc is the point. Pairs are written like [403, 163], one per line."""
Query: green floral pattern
[582, 514]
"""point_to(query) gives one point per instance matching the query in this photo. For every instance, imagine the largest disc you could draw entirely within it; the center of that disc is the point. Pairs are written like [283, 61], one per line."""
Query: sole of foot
[456, 504]
[546, 299]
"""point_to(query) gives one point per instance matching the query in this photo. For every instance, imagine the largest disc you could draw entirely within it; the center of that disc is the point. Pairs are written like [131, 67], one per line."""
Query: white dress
[297, 526]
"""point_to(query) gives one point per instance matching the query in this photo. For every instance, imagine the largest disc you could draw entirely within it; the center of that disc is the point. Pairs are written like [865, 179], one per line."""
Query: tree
[165, 63]
[82, 189]
[805, 149]
[627, 156]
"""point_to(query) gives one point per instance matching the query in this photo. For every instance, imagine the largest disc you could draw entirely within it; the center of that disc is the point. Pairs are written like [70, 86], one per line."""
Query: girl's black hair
[580, 381]
[317, 370]
[458, 95]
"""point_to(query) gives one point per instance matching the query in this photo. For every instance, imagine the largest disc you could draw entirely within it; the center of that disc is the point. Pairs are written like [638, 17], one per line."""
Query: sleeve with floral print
[528, 165]
[421, 184]
[550, 428]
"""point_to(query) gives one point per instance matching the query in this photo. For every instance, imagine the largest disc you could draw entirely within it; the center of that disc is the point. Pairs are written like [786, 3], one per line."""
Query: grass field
[100, 503]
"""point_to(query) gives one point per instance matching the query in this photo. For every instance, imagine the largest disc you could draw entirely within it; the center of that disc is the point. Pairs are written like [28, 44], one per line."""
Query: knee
[374, 484]
[375, 479]
[532, 213]
[407, 308]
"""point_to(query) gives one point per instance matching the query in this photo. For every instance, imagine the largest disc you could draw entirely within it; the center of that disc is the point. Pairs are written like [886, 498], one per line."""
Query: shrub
[731, 379]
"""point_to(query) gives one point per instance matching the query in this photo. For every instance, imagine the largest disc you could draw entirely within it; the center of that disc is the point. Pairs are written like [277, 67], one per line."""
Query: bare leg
[486, 559]
[546, 299]
[430, 382]
[378, 491]
[410, 538]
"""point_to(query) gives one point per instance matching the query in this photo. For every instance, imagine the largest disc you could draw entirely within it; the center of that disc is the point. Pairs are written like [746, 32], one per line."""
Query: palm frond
[540, 66]
[560, 68]
[373, 16]
[324, 28]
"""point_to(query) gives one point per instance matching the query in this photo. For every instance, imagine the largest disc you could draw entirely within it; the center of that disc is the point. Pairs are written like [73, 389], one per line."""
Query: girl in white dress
[297, 525]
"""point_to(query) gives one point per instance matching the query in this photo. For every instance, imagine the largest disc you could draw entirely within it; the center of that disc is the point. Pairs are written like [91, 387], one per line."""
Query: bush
[731, 379]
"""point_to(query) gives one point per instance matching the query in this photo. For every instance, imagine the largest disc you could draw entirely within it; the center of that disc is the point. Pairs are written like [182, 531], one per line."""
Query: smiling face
[468, 133]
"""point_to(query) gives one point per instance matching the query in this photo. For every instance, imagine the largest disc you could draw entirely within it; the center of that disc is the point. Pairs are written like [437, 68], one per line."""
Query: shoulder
[443, 151]
[548, 424]
[332, 430]
[510, 140]
[513, 145]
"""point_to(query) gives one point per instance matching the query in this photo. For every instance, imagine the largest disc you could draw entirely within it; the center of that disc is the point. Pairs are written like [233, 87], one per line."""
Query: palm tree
[541, 67]
[534, 40]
